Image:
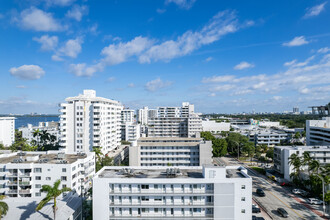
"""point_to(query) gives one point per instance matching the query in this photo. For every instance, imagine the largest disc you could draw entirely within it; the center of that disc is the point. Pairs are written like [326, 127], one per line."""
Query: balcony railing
[12, 191]
[25, 183]
[10, 183]
[25, 174]
[26, 191]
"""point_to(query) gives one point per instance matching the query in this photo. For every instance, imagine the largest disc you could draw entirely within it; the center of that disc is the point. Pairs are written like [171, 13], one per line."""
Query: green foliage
[3, 207]
[101, 159]
[207, 136]
[125, 143]
[259, 170]
[270, 153]
[219, 147]
[2, 147]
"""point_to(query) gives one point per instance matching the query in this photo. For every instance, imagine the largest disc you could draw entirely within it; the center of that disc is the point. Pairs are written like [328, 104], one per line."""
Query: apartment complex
[164, 151]
[207, 192]
[145, 113]
[7, 130]
[130, 131]
[175, 122]
[282, 154]
[215, 127]
[268, 137]
[23, 174]
[87, 121]
[127, 115]
[318, 131]
[52, 128]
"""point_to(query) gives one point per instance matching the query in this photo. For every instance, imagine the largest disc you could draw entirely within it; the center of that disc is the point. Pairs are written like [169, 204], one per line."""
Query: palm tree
[52, 193]
[3, 207]
[296, 162]
[98, 153]
[314, 166]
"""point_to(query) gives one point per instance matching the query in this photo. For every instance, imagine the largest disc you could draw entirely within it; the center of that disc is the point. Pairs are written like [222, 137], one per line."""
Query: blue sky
[222, 56]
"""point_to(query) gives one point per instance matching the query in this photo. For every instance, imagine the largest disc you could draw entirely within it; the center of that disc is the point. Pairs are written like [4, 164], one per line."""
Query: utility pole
[322, 192]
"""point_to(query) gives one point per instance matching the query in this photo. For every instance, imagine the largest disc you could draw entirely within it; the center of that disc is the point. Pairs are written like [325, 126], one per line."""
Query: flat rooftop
[35, 157]
[169, 139]
[311, 148]
[164, 173]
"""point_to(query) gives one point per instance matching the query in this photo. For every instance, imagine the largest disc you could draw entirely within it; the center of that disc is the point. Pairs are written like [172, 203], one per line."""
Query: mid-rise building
[318, 131]
[7, 131]
[127, 115]
[282, 154]
[164, 151]
[208, 192]
[268, 137]
[175, 122]
[130, 131]
[215, 127]
[52, 128]
[22, 174]
[88, 121]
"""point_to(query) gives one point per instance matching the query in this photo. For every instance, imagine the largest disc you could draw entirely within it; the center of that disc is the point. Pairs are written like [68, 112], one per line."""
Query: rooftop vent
[21, 154]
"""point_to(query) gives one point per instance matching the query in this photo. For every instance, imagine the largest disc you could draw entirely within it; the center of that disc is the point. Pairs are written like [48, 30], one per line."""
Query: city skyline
[223, 57]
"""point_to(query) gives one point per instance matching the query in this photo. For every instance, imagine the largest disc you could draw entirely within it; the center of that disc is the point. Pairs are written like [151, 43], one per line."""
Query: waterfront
[34, 120]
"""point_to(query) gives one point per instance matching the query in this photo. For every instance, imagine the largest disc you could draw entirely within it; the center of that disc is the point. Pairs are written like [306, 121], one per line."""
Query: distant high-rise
[295, 110]
[7, 130]
[88, 121]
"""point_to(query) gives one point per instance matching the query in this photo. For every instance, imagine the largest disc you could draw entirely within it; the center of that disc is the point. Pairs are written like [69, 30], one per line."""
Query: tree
[3, 207]
[295, 161]
[219, 147]
[235, 140]
[2, 147]
[270, 153]
[249, 149]
[52, 193]
[207, 136]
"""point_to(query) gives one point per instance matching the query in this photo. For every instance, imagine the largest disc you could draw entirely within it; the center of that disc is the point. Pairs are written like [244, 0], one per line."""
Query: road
[276, 196]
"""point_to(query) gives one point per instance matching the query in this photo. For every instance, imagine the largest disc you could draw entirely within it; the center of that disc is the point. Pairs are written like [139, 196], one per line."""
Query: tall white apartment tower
[87, 121]
[7, 130]
[142, 116]
[127, 115]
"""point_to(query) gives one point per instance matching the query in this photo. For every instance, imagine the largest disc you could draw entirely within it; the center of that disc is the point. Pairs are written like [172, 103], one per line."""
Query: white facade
[23, 174]
[318, 131]
[268, 137]
[215, 127]
[7, 130]
[52, 128]
[127, 115]
[175, 122]
[130, 132]
[170, 151]
[282, 154]
[88, 121]
[206, 192]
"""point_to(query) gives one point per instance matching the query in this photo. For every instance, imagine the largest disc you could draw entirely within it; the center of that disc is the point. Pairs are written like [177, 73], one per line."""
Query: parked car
[285, 184]
[255, 209]
[260, 192]
[314, 201]
[296, 191]
[268, 166]
[282, 212]
[257, 218]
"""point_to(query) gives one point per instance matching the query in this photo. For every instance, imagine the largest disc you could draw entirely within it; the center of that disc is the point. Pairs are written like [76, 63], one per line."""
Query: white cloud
[259, 85]
[315, 10]
[243, 65]
[184, 4]
[157, 84]
[222, 88]
[323, 50]
[59, 2]
[111, 79]
[277, 98]
[77, 12]
[208, 59]
[47, 42]
[294, 63]
[118, 53]
[297, 41]
[81, 69]
[21, 87]
[70, 49]
[27, 72]
[304, 90]
[220, 25]
[218, 79]
[38, 20]
[161, 11]
[131, 85]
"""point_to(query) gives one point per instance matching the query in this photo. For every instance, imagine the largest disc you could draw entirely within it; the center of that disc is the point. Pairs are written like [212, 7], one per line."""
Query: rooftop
[40, 157]
[313, 148]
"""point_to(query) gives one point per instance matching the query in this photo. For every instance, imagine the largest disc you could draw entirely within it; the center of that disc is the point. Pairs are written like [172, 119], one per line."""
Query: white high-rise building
[7, 130]
[127, 115]
[23, 174]
[318, 132]
[175, 122]
[87, 121]
[208, 192]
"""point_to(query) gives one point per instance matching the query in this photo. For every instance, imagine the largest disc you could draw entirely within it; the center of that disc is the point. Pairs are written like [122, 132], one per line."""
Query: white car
[314, 201]
[296, 191]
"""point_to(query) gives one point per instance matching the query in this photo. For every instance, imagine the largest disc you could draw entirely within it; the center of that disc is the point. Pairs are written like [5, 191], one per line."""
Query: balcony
[25, 191]
[24, 183]
[12, 183]
[13, 191]
[25, 174]
[12, 174]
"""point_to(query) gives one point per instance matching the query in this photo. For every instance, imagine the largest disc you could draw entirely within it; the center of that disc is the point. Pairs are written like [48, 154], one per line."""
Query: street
[276, 196]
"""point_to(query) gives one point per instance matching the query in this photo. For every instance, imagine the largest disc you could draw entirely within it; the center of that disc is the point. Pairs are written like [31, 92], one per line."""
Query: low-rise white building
[268, 137]
[318, 131]
[208, 192]
[170, 151]
[23, 174]
[52, 128]
[7, 130]
[215, 127]
[282, 154]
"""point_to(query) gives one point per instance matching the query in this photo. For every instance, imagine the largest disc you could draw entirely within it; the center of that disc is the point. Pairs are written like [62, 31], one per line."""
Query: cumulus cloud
[315, 10]
[81, 69]
[70, 49]
[47, 42]
[243, 65]
[27, 72]
[156, 84]
[184, 4]
[297, 41]
[305, 77]
[38, 20]
[77, 12]
[323, 50]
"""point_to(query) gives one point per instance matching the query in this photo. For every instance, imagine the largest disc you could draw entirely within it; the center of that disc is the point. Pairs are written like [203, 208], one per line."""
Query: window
[38, 186]
[63, 170]
[48, 178]
[243, 199]
[156, 186]
[243, 187]
[243, 211]
[38, 194]
[37, 170]
[158, 198]
[145, 198]
[143, 186]
[145, 210]
[63, 178]
[38, 178]
[63, 185]
[197, 210]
